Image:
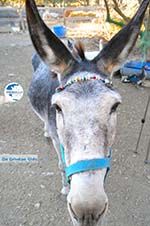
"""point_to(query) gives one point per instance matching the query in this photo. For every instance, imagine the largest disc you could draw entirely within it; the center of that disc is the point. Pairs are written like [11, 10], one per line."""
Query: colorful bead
[80, 79]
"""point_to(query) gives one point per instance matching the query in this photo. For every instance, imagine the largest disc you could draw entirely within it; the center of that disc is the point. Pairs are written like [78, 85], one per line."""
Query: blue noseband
[85, 165]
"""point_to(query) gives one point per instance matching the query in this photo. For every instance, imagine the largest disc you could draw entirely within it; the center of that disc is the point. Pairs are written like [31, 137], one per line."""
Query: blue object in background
[59, 30]
[135, 68]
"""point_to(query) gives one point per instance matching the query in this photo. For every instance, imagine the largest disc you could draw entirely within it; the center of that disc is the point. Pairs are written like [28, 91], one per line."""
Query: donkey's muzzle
[87, 200]
[89, 217]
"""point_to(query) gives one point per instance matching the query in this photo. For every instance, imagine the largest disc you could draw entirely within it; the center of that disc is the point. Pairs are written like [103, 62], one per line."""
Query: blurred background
[85, 18]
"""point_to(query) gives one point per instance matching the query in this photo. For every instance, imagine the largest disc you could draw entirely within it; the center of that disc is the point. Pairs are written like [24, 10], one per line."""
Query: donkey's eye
[58, 109]
[114, 108]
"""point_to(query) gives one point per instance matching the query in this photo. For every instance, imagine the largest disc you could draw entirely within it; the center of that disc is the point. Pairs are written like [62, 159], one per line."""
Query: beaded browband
[82, 79]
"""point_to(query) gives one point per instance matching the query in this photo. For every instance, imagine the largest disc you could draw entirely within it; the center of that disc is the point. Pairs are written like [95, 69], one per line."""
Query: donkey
[74, 98]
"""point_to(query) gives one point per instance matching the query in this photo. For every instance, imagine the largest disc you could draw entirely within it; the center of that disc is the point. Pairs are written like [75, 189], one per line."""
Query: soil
[30, 192]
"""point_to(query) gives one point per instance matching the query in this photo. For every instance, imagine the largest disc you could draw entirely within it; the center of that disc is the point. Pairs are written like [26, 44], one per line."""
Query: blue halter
[85, 165]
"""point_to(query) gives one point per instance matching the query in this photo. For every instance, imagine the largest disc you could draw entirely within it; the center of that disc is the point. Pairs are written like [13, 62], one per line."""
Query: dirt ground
[30, 192]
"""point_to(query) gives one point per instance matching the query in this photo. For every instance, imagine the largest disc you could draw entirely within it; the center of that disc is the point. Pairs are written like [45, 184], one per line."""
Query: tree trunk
[97, 2]
[118, 10]
[148, 37]
[87, 2]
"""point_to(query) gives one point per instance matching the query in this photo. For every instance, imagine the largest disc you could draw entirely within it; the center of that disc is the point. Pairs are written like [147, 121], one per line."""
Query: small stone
[11, 74]
[148, 177]
[50, 174]
[13, 45]
[2, 141]
[37, 205]
[120, 172]
[42, 186]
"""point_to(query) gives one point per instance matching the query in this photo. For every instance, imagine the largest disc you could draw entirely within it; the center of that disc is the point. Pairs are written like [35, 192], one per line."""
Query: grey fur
[82, 116]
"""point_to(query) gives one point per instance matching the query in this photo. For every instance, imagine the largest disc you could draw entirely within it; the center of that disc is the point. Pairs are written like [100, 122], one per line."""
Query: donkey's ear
[49, 47]
[118, 48]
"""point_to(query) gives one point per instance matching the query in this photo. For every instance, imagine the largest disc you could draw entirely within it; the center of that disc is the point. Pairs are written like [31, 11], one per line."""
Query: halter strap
[85, 165]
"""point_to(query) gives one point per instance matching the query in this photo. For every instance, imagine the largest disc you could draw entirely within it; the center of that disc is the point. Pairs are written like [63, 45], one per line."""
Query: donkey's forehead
[92, 91]
[90, 88]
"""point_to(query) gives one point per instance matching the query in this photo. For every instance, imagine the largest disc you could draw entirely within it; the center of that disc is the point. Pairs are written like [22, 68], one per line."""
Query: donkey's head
[85, 109]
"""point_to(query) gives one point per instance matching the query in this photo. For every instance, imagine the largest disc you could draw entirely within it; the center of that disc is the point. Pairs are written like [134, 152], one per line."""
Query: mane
[79, 50]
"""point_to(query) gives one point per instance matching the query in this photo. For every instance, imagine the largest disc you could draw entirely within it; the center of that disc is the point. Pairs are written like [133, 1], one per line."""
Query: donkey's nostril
[103, 211]
[73, 213]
